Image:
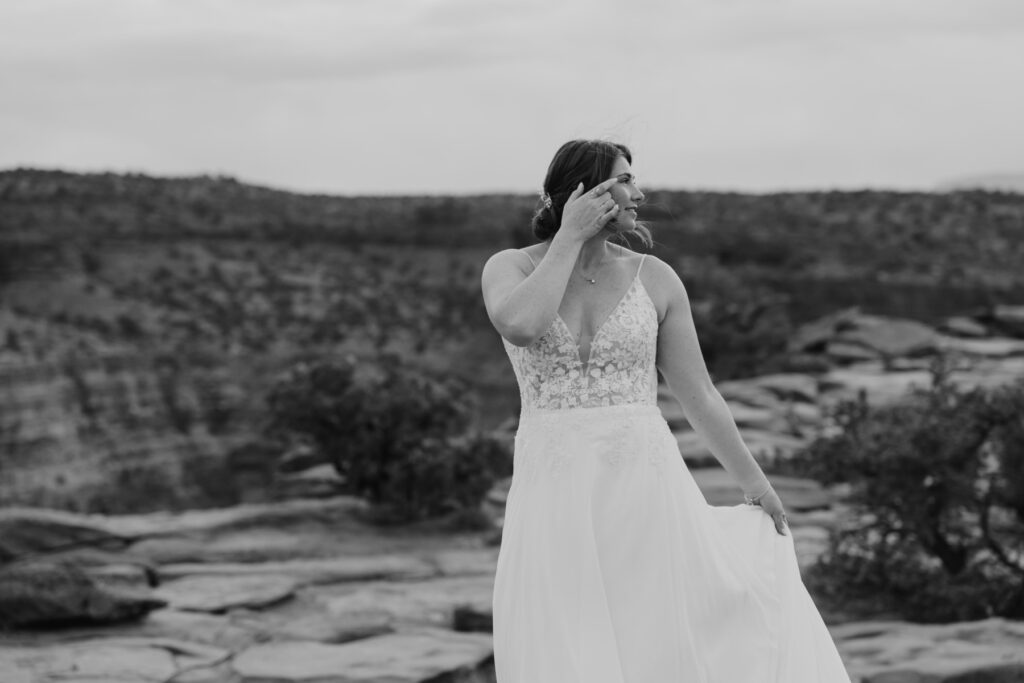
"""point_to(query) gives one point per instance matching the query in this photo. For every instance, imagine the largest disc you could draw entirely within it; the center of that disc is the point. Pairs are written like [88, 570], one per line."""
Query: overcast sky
[466, 96]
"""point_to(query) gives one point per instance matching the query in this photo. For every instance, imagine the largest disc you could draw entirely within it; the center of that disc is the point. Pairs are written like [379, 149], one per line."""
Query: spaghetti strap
[642, 257]
[529, 257]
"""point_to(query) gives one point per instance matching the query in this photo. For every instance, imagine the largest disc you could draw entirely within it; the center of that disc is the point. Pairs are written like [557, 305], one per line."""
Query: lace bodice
[619, 369]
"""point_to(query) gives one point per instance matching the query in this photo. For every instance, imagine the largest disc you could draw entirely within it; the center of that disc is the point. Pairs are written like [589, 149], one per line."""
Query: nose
[637, 196]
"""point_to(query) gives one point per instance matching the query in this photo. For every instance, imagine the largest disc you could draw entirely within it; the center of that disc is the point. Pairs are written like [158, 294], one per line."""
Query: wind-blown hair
[586, 161]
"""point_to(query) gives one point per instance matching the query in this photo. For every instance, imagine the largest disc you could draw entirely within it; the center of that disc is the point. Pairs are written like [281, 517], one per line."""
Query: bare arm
[682, 365]
[522, 304]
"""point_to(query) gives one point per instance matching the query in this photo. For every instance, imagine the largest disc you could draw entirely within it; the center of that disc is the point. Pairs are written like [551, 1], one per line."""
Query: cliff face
[112, 433]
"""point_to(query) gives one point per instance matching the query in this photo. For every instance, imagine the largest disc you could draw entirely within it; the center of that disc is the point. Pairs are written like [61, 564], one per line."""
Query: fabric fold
[614, 569]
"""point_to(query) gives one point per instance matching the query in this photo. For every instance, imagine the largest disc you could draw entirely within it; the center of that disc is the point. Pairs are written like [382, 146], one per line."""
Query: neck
[595, 251]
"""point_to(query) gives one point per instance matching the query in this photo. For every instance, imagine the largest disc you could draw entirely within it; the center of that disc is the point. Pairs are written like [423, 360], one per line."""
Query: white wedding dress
[613, 568]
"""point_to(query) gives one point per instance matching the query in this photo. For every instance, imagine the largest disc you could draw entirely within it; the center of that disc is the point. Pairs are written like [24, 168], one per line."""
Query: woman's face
[626, 194]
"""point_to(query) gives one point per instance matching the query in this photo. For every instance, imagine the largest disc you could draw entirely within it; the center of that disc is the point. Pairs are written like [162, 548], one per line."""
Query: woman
[612, 567]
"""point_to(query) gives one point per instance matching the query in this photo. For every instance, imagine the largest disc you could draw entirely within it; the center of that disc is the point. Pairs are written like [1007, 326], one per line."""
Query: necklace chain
[590, 279]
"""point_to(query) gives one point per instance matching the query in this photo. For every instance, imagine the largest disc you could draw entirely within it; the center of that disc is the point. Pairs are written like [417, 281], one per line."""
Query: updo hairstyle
[586, 161]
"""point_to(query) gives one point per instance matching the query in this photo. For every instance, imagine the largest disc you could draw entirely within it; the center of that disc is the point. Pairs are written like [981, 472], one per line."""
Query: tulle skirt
[614, 569]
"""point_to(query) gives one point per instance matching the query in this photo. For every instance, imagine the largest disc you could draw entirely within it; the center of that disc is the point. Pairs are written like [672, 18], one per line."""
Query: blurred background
[241, 241]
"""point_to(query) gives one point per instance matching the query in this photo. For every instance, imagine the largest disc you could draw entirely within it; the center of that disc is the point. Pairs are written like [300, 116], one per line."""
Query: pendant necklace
[590, 279]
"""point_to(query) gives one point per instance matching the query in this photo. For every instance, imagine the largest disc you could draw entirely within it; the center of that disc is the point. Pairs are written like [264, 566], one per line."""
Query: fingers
[609, 214]
[772, 507]
[596, 192]
[603, 187]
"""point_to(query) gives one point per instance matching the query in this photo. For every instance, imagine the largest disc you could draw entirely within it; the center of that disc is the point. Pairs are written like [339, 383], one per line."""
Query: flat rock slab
[991, 373]
[879, 387]
[471, 562]
[319, 478]
[891, 336]
[396, 658]
[96, 661]
[883, 387]
[850, 352]
[234, 631]
[221, 593]
[962, 326]
[993, 347]
[813, 335]
[277, 514]
[256, 544]
[28, 531]
[312, 572]
[128, 576]
[789, 386]
[416, 603]
[316, 625]
[990, 651]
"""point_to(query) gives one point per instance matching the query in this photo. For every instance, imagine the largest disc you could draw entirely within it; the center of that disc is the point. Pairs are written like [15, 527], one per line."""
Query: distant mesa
[1004, 182]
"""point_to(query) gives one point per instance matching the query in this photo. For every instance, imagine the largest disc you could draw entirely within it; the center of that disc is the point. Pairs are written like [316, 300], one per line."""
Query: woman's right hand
[586, 213]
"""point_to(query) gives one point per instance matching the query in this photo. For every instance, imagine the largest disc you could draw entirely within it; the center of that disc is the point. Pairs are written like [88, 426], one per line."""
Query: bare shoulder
[662, 283]
[507, 259]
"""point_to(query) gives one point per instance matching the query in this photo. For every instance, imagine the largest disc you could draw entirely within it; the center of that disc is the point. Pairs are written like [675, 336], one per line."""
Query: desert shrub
[743, 326]
[937, 525]
[400, 438]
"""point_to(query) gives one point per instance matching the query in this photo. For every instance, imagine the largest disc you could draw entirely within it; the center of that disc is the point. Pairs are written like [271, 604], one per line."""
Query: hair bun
[544, 224]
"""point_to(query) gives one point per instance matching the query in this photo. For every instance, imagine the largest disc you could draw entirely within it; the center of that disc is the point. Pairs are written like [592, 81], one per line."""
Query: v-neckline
[600, 328]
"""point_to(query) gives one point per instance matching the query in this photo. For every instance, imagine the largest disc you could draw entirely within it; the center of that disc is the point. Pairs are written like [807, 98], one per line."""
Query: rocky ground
[308, 590]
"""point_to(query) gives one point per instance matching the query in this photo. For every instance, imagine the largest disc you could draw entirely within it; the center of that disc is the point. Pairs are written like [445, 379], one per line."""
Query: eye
[627, 178]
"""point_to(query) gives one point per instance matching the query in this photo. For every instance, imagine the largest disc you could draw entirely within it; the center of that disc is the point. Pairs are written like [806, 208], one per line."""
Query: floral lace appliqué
[619, 370]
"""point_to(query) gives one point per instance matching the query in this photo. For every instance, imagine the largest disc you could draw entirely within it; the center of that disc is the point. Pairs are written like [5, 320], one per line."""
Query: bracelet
[756, 500]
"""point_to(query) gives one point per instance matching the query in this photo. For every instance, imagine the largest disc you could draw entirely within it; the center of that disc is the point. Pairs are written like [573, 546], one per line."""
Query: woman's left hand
[772, 506]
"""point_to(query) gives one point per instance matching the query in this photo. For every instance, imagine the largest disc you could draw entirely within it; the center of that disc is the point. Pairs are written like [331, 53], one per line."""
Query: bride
[612, 567]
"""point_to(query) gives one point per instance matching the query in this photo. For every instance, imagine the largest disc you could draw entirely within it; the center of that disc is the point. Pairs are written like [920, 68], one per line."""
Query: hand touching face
[626, 194]
[588, 213]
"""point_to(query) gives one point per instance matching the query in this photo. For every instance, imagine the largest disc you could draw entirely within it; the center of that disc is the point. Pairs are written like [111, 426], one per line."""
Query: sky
[471, 96]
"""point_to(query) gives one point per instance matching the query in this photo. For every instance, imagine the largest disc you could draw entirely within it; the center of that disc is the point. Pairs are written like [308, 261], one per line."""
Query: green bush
[401, 439]
[937, 530]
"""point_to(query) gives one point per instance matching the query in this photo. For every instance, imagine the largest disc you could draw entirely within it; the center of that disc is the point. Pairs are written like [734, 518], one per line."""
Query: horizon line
[946, 187]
